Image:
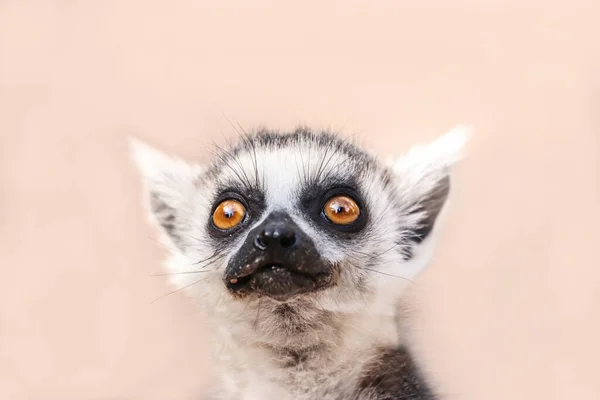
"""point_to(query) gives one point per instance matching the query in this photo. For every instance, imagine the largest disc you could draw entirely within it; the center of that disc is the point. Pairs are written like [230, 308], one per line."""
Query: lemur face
[300, 215]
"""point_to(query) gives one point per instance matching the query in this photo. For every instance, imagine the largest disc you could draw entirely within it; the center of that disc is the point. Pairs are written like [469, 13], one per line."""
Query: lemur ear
[423, 176]
[170, 185]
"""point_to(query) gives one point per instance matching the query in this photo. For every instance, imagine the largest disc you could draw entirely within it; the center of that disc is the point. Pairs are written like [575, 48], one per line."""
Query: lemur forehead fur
[297, 247]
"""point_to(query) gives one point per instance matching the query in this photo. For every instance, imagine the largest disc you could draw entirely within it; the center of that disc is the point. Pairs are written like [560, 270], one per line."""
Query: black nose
[276, 237]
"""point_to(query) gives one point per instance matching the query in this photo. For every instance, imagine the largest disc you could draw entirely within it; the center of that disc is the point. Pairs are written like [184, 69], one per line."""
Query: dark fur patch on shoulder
[393, 375]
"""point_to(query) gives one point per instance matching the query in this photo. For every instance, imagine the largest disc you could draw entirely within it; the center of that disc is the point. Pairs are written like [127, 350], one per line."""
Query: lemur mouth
[272, 270]
[276, 281]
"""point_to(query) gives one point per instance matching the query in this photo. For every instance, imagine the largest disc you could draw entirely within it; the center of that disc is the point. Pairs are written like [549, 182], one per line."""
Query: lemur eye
[341, 210]
[229, 214]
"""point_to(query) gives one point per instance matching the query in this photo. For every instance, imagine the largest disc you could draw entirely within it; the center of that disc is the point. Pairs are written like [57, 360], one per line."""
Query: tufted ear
[423, 176]
[170, 185]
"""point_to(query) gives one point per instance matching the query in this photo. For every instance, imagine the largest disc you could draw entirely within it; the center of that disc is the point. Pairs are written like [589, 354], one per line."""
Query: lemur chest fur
[361, 358]
[381, 373]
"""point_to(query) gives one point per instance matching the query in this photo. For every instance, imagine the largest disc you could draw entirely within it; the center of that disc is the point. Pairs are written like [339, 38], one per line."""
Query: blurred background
[510, 309]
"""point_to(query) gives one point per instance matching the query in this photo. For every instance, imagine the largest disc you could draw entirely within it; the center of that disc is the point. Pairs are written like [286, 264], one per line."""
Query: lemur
[292, 245]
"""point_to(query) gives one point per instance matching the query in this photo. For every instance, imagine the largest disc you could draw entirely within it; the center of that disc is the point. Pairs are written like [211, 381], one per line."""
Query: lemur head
[299, 219]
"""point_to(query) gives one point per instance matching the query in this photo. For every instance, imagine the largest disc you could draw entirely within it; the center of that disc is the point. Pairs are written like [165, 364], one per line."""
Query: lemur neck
[298, 330]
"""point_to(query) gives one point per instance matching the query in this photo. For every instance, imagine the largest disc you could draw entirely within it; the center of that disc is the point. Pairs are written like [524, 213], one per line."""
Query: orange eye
[229, 214]
[341, 210]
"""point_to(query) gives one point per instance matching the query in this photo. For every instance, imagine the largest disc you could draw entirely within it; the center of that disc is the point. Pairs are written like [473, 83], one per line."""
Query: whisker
[176, 290]
[247, 140]
[198, 271]
[304, 178]
[319, 171]
[244, 140]
[212, 262]
[257, 314]
[220, 154]
[179, 273]
[237, 127]
[387, 274]
[215, 254]
[388, 250]
[308, 177]
[211, 257]
[170, 248]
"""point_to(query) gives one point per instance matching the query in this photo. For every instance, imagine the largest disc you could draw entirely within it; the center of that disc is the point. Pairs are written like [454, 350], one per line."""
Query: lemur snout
[278, 260]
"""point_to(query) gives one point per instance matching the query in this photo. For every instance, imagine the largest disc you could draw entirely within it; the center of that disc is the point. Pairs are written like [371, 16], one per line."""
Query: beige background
[509, 310]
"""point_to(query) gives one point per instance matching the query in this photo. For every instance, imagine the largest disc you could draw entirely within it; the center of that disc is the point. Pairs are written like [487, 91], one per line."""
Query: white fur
[246, 332]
